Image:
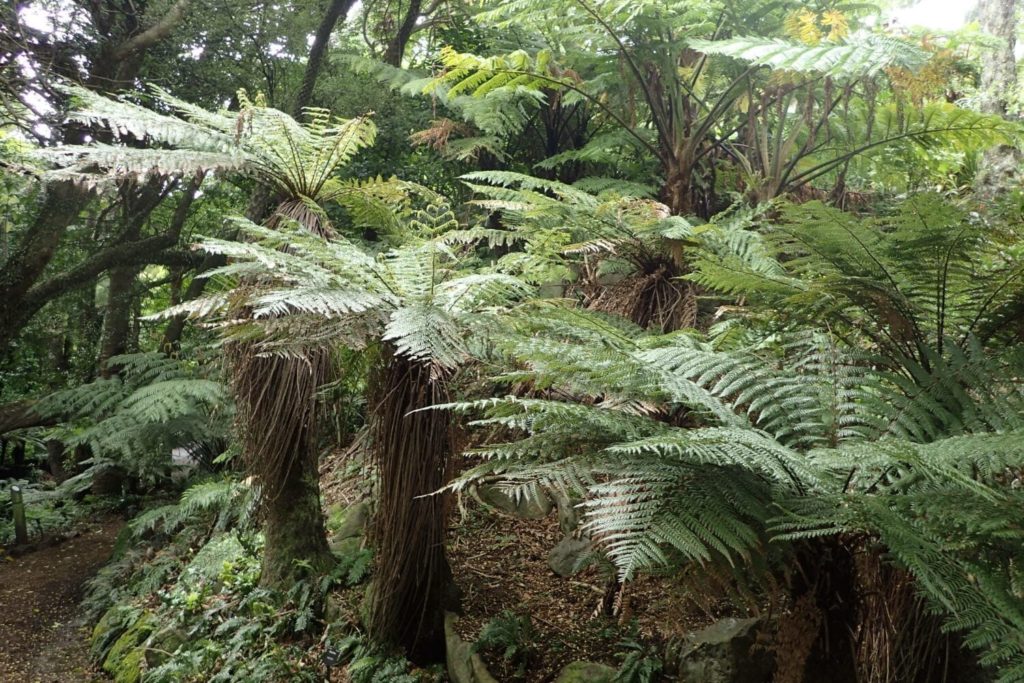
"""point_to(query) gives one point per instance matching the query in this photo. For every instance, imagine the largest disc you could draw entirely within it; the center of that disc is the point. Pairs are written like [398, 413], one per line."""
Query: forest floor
[500, 565]
[40, 623]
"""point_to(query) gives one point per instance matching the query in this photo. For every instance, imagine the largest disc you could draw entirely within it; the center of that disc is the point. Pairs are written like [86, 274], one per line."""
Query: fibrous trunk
[411, 448]
[896, 640]
[276, 398]
[872, 625]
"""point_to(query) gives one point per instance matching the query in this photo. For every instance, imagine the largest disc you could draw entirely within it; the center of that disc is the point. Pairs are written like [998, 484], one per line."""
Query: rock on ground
[535, 506]
[571, 555]
[726, 652]
[586, 672]
[464, 665]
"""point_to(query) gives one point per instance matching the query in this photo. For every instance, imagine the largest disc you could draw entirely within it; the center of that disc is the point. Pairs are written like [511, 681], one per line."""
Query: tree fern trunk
[677, 191]
[276, 397]
[412, 452]
[293, 526]
[896, 640]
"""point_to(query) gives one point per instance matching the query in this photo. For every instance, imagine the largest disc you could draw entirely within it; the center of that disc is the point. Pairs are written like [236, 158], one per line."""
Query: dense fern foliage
[965, 275]
[135, 418]
[733, 291]
[413, 296]
[771, 429]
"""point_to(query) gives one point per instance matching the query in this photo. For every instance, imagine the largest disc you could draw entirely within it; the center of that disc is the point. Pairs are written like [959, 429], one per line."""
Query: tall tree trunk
[138, 204]
[999, 166]
[317, 51]
[412, 449]
[55, 459]
[395, 50]
[999, 68]
[61, 203]
[117, 319]
[276, 399]
[294, 526]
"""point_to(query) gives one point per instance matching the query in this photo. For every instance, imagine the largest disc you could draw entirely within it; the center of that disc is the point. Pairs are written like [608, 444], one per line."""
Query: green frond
[304, 289]
[723, 447]
[426, 333]
[154, 405]
[477, 76]
[78, 162]
[855, 58]
[299, 159]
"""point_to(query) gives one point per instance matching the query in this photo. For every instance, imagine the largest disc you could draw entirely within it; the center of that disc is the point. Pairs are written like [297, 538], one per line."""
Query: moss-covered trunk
[412, 449]
[293, 526]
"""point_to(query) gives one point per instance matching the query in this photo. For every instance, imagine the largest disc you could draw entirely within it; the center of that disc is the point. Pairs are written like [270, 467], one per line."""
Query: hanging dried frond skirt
[412, 450]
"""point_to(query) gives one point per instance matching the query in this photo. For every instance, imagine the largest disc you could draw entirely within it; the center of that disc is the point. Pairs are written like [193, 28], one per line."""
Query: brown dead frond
[411, 448]
[306, 213]
[276, 403]
[439, 132]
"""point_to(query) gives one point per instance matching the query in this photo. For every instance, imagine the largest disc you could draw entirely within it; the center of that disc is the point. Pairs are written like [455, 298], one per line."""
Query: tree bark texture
[318, 51]
[412, 448]
[60, 206]
[276, 398]
[395, 50]
[999, 167]
[999, 67]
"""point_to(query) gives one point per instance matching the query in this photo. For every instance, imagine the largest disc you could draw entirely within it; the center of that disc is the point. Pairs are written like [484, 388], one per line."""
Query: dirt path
[41, 637]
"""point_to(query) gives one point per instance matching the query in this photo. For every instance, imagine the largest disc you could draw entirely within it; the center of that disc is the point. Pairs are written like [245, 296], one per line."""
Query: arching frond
[154, 404]
[855, 58]
[298, 158]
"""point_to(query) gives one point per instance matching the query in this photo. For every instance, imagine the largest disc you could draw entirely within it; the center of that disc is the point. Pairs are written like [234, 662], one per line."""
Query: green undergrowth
[181, 600]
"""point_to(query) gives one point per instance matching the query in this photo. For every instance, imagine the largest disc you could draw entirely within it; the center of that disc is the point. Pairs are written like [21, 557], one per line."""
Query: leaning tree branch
[23, 415]
[134, 253]
[154, 33]
[317, 52]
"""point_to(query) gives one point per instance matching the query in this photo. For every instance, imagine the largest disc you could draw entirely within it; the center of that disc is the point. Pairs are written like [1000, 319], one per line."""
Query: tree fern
[226, 501]
[307, 290]
[297, 159]
[789, 436]
[963, 556]
[155, 404]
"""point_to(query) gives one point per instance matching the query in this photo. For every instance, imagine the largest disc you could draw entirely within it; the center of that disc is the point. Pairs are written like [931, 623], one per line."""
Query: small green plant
[640, 664]
[510, 637]
[368, 663]
[353, 566]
